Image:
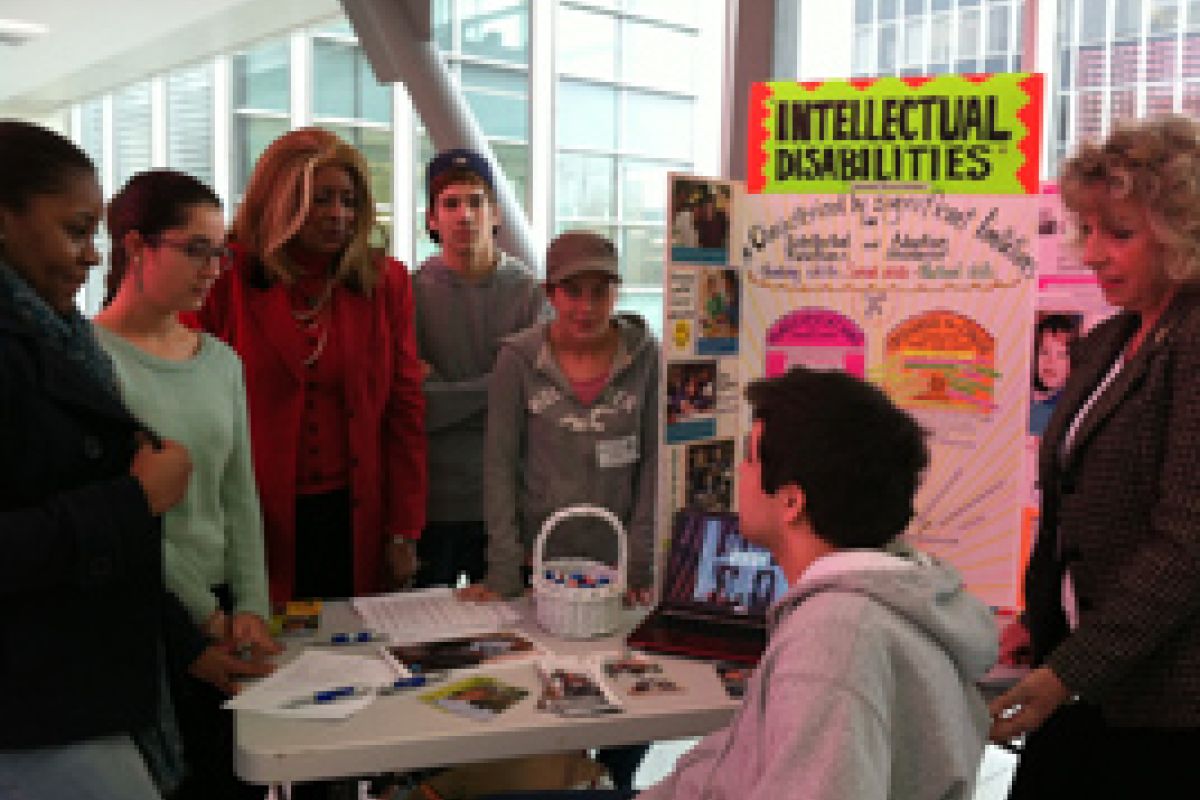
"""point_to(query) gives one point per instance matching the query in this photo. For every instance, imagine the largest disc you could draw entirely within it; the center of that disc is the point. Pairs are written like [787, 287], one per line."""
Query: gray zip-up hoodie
[546, 450]
[460, 325]
[866, 691]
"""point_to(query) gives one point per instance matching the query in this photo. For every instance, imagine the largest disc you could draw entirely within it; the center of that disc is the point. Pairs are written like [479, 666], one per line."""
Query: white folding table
[399, 733]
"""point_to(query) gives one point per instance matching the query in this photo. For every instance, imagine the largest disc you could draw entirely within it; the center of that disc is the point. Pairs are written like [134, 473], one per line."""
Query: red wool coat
[384, 402]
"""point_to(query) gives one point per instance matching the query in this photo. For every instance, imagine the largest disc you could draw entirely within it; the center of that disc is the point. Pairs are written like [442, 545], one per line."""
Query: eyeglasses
[199, 251]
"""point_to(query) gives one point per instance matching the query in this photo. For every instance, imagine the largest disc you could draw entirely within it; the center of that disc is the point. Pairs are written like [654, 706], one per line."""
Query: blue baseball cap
[458, 159]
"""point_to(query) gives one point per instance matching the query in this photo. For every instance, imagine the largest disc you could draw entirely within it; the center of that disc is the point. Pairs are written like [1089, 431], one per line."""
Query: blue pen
[355, 637]
[404, 684]
[414, 681]
[326, 696]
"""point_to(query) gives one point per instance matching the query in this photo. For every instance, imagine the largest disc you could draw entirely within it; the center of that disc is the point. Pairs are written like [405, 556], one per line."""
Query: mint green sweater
[214, 535]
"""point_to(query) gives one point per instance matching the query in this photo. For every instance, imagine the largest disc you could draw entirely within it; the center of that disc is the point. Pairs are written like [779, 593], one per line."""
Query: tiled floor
[995, 772]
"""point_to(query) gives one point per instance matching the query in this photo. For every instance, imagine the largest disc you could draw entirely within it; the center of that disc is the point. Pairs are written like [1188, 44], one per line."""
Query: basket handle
[582, 510]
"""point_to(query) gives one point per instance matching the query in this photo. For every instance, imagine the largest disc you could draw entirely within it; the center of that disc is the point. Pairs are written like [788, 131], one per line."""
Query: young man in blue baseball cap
[468, 296]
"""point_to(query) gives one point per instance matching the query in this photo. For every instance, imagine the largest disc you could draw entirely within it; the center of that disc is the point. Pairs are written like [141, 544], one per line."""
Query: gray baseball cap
[575, 252]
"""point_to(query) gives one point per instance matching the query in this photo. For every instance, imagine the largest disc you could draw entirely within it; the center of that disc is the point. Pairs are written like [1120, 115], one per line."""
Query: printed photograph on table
[630, 665]
[1054, 333]
[709, 485]
[700, 214]
[635, 676]
[720, 312]
[480, 698]
[691, 400]
[652, 685]
[573, 691]
[463, 652]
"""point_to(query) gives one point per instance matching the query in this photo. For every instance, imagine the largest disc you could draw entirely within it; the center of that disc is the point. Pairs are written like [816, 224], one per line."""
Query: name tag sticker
[619, 452]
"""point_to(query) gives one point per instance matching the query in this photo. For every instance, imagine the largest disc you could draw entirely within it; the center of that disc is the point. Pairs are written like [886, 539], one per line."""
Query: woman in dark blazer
[1113, 585]
[84, 616]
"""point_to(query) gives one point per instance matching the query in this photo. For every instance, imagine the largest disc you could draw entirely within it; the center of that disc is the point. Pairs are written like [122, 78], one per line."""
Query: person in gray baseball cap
[573, 418]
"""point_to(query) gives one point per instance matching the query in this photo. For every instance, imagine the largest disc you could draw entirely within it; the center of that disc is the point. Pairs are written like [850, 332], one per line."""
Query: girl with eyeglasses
[167, 235]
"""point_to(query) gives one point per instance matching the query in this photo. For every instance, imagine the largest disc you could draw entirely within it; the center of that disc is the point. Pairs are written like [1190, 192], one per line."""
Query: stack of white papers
[432, 614]
[315, 671]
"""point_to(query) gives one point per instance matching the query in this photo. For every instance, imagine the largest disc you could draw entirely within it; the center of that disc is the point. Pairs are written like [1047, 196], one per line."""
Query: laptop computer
[716, 590]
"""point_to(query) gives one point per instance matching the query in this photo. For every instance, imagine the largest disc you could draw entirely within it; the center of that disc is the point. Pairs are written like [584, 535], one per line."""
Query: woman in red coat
[324, 327]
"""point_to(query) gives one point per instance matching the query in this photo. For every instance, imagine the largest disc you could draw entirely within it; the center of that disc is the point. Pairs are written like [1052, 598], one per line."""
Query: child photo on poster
[1053, 336]
[720, 304]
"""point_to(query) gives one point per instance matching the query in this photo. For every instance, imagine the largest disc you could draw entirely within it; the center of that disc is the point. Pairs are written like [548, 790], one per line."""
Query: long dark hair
[35, 161]
[150, 203]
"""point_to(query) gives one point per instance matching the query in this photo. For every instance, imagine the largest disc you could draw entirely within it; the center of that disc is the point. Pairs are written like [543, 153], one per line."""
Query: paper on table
[430, 614]
[313, 671]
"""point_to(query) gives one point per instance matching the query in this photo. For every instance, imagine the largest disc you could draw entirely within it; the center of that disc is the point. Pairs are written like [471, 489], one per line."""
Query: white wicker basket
[576, 612]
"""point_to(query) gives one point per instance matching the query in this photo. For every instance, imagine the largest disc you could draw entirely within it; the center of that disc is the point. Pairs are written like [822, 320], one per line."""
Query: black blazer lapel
[1128, 379]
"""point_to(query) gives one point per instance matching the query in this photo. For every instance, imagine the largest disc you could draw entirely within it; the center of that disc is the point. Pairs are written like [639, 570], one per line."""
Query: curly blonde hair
[279, 196]
[1155, 164]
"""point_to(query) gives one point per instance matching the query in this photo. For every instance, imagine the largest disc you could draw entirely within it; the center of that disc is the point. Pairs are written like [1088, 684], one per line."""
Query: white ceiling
[95, 45]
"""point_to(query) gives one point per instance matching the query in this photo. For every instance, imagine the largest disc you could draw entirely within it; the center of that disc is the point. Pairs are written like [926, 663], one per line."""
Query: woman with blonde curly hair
[1112, 705]
[324, 326]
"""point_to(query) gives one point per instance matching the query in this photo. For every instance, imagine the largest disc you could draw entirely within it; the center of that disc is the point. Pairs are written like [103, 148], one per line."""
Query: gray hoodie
[459, 328]
[545, 450]
[866, 690]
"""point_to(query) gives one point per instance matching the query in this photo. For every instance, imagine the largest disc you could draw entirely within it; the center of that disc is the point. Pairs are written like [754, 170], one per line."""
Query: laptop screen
[711, 567]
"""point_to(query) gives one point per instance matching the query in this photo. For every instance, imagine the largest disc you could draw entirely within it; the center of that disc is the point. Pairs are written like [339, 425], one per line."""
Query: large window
[132, 148]
[625, 113]
[1124, 58]
[348, 101]
[190, 121]
[261, 105]
[486, 46]
[90, 134]
[626, 105]
[927, 37]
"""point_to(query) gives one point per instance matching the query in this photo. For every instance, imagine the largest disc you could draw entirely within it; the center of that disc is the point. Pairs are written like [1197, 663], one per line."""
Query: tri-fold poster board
[890, 228]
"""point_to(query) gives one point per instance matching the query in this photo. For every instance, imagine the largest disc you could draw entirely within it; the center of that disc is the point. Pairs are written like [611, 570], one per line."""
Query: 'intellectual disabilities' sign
[957, 134]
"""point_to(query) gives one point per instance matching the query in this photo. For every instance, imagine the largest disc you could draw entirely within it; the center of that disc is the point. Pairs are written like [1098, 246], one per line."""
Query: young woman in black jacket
[86, 621]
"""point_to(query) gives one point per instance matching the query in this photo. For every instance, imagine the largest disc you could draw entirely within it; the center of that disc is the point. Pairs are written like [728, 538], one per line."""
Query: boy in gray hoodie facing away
[468, 297]
[867, 687]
